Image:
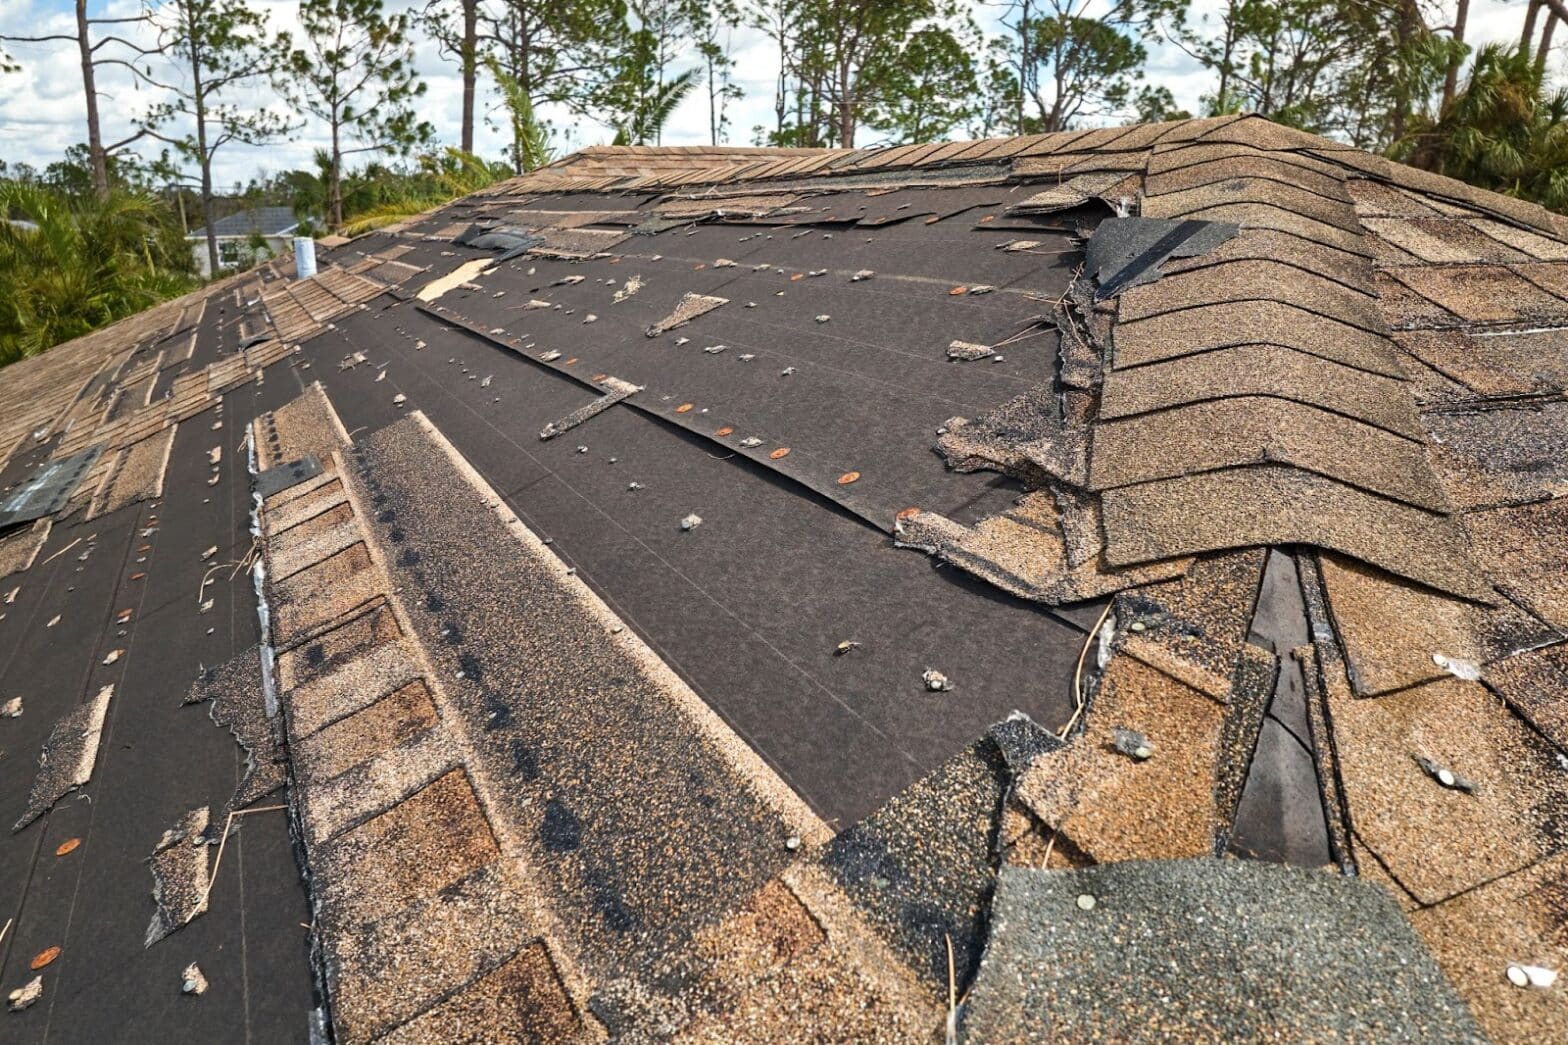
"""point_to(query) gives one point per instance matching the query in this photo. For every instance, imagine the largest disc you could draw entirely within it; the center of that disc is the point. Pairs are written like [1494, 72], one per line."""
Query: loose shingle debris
[179, 875]
[26, 995]
[618, 390]
[68, 756]
[192, 981]
[236, 692]
[687, 309]
[968, 351]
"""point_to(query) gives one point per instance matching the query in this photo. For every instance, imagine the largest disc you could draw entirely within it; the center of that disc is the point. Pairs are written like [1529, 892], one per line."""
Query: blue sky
[41, 109]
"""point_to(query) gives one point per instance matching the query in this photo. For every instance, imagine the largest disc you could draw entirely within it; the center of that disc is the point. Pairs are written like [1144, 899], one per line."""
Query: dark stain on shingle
[560, 831]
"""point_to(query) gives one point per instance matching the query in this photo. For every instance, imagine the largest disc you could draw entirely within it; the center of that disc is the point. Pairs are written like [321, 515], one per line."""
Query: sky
[42, 111]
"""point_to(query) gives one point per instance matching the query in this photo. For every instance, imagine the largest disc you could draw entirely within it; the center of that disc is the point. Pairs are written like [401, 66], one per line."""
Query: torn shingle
[68, 756]
[689, 308]
[179, 875]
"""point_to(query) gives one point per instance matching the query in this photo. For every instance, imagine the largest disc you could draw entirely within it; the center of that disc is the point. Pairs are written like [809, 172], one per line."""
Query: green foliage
[71, 264]
[930, 89]
[1505, 130]
[530, 137]
[356, 74]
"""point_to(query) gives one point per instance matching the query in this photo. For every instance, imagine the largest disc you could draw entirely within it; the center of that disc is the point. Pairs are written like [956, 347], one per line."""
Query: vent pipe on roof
[304, 257]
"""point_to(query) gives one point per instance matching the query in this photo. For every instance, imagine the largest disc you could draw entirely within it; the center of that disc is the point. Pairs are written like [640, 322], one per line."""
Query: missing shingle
[1127, 252]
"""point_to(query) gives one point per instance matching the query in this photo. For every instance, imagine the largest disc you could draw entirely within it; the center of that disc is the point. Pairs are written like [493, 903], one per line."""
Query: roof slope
[615, 696]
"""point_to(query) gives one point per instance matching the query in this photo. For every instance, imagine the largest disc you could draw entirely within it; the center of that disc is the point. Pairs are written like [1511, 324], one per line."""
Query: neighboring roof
[830, 583]
[268, 221]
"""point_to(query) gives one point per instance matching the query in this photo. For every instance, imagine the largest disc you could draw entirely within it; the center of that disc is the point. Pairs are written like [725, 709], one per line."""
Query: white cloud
[42, 111]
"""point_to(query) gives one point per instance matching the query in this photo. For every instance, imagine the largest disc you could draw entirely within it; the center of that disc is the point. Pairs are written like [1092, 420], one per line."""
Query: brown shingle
[1250, 201]
[1440, 240]
[1439, 841]
[1273, 504]
[1252, 323]
[1261, 370]
[1265, 281]
[1483, 293]
[1247, 167]
[1392, 631]
[1229, 433]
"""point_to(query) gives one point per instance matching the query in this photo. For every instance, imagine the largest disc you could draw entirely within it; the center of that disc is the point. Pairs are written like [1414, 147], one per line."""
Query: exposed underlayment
[606, 693]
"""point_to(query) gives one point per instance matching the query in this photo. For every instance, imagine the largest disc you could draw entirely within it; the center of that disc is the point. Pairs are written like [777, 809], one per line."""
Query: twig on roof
[1083, 655]
[61, 552]
[212, 879]
[952, 994]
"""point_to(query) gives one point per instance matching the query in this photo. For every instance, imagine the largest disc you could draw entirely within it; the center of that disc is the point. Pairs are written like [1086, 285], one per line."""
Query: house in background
[236, 237]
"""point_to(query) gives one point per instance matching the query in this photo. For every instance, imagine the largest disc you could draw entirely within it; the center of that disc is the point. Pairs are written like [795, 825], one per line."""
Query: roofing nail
[1531, 976]
[1445, 776]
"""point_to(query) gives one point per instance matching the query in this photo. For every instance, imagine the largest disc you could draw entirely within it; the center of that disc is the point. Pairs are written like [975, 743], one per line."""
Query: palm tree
[1504, 131]
[70, 266]
[530, 137]
[654, 108]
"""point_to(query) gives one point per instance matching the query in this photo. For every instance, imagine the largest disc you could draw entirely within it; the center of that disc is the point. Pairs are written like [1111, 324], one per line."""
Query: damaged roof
[925, 591]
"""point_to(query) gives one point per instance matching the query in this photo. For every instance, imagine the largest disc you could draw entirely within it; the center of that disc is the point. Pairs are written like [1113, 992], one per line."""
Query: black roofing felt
[156, 762]
[750, 605]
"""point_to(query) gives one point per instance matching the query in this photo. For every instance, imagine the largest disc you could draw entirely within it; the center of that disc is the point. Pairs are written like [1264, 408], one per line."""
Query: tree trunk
[203, 154]
[98, 158]
[470, 69]
[1451, 76]
[1527, 37]
[335, 178]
